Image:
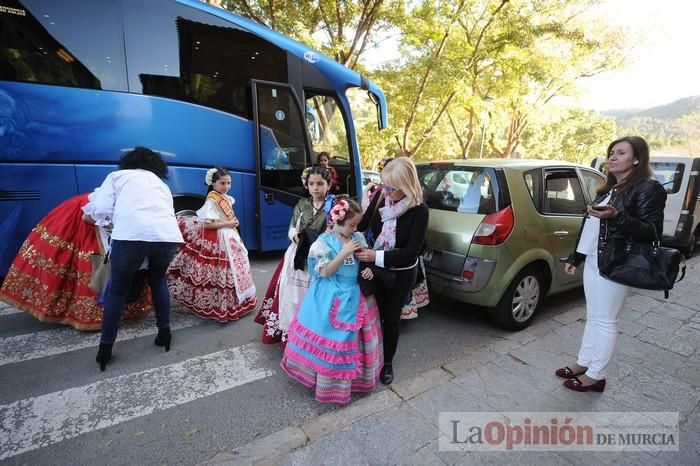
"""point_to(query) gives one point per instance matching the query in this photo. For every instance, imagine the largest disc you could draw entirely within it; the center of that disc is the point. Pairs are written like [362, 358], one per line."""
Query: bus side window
[188, 55]
[44, 42]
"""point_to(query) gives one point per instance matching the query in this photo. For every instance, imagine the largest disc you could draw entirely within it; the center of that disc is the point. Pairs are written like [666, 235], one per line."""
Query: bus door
[282, 153]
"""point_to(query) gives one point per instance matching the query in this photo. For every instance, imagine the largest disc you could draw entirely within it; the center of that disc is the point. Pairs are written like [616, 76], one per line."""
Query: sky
[664, 68]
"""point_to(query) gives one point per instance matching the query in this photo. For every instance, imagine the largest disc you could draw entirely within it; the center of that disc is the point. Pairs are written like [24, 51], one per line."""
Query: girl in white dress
[211, 273]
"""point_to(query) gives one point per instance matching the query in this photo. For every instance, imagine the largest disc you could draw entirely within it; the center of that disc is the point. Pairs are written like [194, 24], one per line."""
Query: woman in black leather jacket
[629, 205]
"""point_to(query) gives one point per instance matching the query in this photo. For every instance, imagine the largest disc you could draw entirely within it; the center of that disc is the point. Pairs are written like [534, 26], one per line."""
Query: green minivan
[501, 229]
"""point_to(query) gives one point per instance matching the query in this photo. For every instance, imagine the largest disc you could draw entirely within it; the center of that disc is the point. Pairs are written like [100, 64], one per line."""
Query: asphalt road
[217, 388]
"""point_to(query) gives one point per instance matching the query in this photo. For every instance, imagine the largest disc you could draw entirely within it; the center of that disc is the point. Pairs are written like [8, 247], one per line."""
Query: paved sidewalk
[655, 368]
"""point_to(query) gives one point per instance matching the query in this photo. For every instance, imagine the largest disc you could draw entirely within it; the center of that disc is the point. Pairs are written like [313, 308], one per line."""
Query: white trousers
[604, 299]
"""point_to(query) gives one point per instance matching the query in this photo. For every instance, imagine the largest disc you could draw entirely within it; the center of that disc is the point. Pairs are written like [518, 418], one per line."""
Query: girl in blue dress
[335, 343]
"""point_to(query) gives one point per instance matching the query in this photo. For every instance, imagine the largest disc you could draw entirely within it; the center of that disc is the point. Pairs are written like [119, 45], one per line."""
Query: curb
[270, 449]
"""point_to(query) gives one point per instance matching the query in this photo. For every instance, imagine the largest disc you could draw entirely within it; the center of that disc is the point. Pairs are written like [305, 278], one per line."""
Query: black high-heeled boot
[163, 338]
[387, 374]
[104, 354]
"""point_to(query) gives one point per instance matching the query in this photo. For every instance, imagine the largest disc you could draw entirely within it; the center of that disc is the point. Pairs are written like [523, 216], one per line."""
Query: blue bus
[84, 81]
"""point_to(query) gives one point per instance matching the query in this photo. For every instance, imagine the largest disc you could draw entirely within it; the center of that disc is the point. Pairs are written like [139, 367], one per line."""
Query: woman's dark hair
[220, 172]
[323, 154]
[640, 171]
[318, 170]
[144, 159]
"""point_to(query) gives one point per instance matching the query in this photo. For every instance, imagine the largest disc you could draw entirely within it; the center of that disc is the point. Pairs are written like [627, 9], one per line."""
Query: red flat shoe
[567, 373]
[576, 385]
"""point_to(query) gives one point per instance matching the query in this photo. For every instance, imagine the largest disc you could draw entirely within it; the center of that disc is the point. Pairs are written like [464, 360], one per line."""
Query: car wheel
[519, 303]
[690, 248]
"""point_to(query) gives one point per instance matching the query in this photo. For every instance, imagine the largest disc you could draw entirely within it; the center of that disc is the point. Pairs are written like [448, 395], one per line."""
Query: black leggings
[390, 302]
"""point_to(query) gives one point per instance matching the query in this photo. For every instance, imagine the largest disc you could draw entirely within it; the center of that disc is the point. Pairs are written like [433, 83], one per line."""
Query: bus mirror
[381, 112]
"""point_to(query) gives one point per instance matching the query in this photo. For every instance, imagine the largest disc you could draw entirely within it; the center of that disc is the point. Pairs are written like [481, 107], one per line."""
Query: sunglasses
[388, 189]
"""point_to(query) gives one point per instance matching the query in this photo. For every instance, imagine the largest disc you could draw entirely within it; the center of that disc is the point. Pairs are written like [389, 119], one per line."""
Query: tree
[492, 64]
[689, 125]
[341, 29]
[569, 134]
[437, 85]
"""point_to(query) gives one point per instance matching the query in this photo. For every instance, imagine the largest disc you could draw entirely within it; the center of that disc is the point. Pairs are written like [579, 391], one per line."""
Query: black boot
[163, 338]
[387, 374]
[104, 354]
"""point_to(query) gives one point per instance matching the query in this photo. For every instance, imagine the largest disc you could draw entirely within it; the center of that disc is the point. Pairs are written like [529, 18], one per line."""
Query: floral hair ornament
[305, 175]
[339, 211]
[209, 179]
[382, 163]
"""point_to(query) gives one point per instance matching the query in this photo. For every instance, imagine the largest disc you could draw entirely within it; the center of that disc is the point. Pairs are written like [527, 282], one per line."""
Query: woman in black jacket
[630, 205]
[398, 220]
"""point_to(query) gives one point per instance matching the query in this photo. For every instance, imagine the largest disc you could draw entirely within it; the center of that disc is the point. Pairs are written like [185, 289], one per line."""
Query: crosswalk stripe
[6, 311]
[47, 419]
[61, 340]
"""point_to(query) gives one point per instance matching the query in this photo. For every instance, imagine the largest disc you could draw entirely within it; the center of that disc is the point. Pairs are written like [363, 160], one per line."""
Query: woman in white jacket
[139, 205]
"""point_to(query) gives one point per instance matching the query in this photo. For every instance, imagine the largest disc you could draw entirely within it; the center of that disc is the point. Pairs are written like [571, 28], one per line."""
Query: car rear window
[669, 174]
[471, 190]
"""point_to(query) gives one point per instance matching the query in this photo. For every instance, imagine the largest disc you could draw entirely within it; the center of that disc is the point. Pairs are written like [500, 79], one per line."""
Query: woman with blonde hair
[398, 219]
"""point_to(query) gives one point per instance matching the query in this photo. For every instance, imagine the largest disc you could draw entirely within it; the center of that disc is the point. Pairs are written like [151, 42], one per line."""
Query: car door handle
[561, 233]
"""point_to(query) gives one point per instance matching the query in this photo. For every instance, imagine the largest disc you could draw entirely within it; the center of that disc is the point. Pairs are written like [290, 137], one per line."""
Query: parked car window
[669, 174]
[591, 182]
[370, 177]
[458, 189]
[563, 193]
[533, 181]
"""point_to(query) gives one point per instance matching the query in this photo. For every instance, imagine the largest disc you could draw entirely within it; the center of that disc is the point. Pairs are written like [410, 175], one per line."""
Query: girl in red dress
[50, 276]
[324, 160]
[211, 273]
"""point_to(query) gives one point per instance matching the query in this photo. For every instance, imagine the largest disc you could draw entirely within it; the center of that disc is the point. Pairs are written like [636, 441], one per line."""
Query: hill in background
[671, 111]
[674, 127]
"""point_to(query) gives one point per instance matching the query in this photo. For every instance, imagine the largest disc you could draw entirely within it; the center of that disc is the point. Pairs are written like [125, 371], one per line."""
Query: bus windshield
[326, 125]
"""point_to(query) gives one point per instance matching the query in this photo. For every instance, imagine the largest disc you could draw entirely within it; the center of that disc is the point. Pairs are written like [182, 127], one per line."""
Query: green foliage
[477, 77]
[571, 134]
[679, 135]
[341, 29]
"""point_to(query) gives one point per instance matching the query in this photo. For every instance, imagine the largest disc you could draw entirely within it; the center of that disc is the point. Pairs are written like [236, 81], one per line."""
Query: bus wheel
[187, 206]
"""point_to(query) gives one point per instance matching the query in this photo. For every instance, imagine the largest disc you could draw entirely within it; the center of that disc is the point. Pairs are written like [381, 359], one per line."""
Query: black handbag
[641, 265]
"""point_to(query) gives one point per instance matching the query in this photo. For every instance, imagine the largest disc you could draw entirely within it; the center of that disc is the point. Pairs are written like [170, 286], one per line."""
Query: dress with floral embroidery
[335, 342]
[210, 275]
[50, 276]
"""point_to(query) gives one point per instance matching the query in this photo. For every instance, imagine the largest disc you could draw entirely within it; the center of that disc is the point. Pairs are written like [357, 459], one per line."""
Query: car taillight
[468, 274]
[495, 228]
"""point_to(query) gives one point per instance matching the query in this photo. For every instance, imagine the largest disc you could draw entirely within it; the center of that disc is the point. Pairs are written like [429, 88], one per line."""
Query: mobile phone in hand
[599, 207]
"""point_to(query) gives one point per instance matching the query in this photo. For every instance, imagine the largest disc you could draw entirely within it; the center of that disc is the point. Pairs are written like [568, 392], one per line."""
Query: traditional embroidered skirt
[268, 315]
[202, 278]
[282, 299]
[50, 276]
[419, 296]
[336, 369]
